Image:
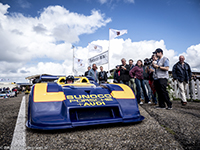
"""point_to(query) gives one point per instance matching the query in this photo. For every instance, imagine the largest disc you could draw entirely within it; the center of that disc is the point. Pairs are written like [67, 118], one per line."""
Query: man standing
[132, 80]
[161, 70]
[146, 81]
[117, 75]
[124, 72]
[182, 73]
[86, 73]
[93, 72]
[102, 76]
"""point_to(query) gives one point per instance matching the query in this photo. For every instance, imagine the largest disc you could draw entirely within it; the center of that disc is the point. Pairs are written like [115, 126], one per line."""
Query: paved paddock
[143, 135]
[162, 129]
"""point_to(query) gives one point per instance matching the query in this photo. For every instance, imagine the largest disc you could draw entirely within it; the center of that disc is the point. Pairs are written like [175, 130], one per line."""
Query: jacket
[116, 76]
[103, 76]
[92, 74]
[124, 74]
[178, 72]
[137, 72]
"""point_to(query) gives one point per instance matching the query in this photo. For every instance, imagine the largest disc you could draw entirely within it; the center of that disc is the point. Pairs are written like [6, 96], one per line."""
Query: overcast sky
[37, 36]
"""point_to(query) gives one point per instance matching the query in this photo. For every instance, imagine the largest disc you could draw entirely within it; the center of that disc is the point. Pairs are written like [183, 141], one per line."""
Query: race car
[61, 105]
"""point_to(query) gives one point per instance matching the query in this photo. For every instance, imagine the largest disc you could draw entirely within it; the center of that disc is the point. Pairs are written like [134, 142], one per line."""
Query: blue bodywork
[82, 106]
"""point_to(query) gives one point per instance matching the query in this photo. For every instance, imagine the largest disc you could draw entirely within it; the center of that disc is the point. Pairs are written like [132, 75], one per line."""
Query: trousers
[163, 96]
[182, 88]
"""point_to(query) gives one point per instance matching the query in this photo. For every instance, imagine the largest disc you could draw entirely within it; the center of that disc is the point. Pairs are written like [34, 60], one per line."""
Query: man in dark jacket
[117, 75]
[182, 73]
[124, 72]
[86, 73]
[102, 76]
[132, 80]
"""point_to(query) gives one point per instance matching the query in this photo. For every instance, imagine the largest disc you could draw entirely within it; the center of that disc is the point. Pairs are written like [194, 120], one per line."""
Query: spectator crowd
[148, 80]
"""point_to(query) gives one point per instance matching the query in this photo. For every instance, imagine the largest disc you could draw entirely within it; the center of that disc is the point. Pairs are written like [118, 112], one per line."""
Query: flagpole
[73, 60]
[109, 52]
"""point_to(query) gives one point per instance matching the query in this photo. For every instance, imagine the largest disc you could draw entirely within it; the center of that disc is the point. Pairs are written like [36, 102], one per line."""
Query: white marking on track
[19, 136]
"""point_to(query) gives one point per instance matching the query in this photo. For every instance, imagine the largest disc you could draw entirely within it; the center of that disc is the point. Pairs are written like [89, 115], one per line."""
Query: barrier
[192, 90]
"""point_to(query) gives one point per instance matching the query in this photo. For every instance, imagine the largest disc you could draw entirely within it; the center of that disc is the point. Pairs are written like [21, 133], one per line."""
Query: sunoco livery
[59, 105]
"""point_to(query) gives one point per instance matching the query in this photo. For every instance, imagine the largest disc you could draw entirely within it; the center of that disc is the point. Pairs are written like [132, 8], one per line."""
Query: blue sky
[175, 21]
[171, 24]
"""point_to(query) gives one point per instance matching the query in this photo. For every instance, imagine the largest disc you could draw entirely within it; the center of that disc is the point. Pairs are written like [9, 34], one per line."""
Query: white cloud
[119, 48]
[127, 49]
[112, 1]
[103, 1]
[24, 3]
[43, 44]
[49, 36]
[192, 56]
[129, 1]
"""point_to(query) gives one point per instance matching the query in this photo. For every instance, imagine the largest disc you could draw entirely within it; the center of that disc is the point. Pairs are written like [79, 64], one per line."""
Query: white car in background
[11, 93]
[6, 94]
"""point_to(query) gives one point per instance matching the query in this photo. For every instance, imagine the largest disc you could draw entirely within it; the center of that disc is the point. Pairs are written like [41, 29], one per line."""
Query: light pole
[73, 59]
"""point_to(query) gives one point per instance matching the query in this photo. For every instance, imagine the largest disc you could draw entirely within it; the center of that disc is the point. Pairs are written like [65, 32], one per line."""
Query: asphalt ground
[9, 109]
[178, 128]
[183, 122]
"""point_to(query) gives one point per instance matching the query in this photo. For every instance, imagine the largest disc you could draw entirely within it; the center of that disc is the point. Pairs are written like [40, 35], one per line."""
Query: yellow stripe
[127, 93]
[41, 94]
[80, 85]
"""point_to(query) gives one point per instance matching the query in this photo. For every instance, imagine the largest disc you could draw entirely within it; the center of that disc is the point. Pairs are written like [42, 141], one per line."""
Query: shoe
[169, 108]
[158, 107]
[141, 103]
[149, 102]
[184, 103]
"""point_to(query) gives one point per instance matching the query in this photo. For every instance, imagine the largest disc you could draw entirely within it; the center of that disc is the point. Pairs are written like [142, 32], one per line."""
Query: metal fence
[192, 90]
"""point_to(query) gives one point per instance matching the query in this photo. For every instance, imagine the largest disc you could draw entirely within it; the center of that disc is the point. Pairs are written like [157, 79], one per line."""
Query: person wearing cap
[182, 73]
[161, 71]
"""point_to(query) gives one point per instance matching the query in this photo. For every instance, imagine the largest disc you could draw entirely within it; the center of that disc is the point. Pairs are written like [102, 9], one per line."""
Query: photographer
[161, 69]
[102, 76]
[132, 80]
[147, 63]
[152, 78]
[117, 75]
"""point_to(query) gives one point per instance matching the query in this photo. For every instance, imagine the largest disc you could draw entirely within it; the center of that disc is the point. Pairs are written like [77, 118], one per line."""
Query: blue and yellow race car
[62, 104]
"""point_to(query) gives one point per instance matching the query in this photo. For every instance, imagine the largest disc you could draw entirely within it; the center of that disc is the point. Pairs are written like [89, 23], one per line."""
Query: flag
[115, 33]
[79, 62]
[96, 48]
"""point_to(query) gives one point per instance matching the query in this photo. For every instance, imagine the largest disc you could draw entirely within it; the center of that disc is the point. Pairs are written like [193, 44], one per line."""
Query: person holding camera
[117, 75]
[102, 76]
[152, 78]
[161, 70]
[132, 80]
[147, 63]
[124, 72]
[137, 73]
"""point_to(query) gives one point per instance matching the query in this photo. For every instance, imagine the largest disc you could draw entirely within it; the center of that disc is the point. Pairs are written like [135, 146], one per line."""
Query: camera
[148, 61]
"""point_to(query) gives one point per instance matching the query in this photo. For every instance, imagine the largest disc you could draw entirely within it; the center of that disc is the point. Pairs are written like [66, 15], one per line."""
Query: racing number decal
[127, 93]
[41, 94]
